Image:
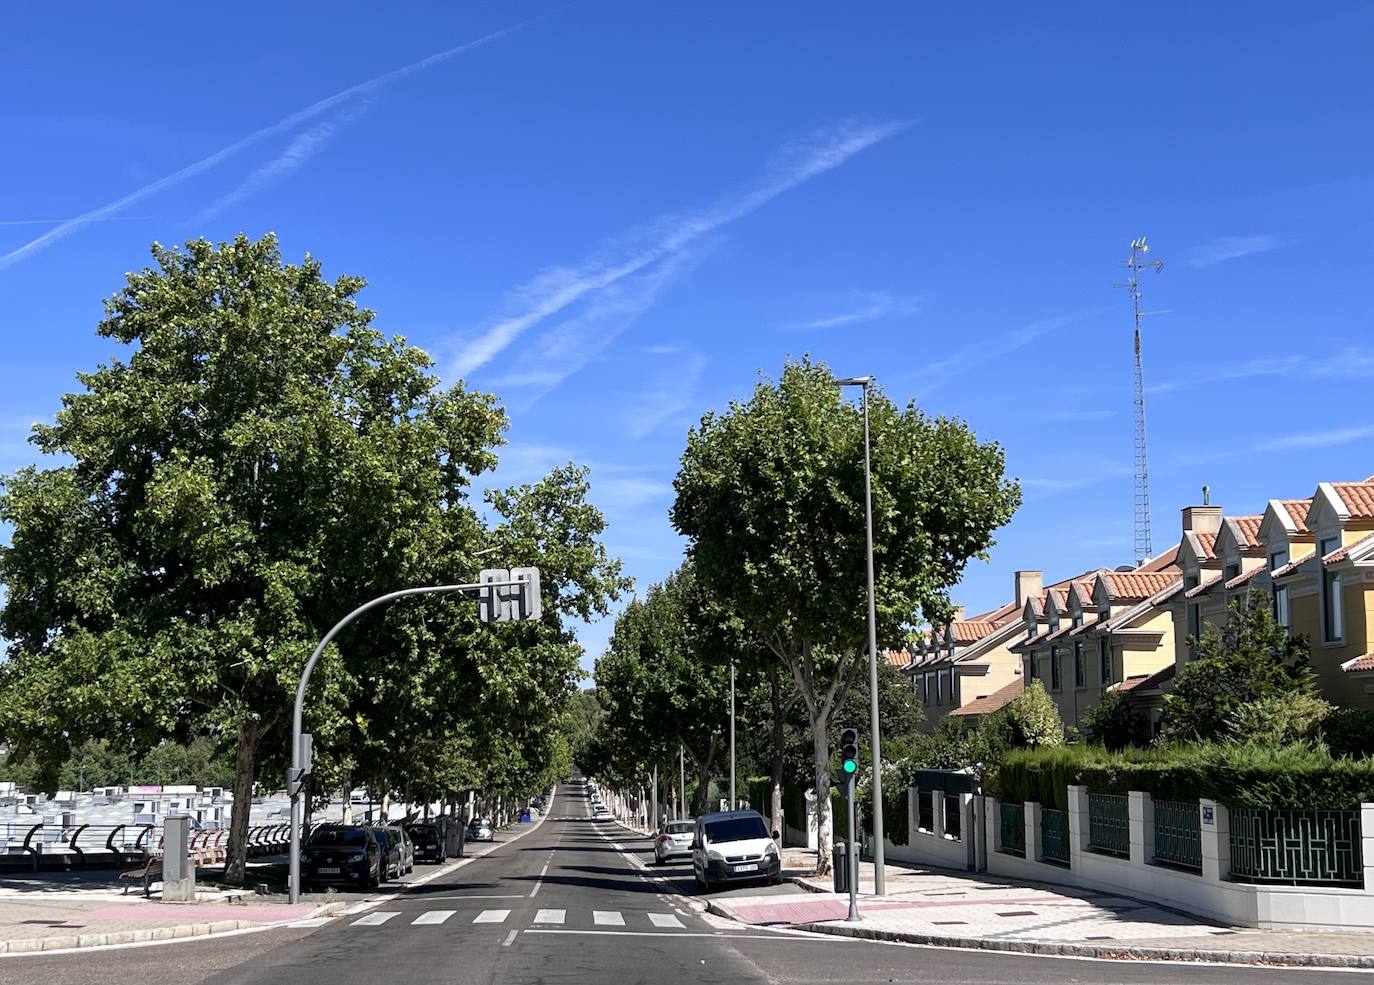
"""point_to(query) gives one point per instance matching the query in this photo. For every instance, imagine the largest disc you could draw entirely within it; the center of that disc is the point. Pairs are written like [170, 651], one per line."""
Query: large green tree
[1251, 659]
[771, 496]
[262, 461]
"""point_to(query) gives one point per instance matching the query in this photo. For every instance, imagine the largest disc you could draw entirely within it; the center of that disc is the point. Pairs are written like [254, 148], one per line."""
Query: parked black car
[394, 862]
[429, 847]
[343, 854]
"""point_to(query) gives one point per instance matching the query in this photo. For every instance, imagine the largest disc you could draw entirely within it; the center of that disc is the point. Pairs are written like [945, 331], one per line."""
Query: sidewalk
[952, 909]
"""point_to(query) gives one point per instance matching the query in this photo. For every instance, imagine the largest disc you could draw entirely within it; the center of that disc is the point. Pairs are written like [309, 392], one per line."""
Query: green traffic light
[850, 766]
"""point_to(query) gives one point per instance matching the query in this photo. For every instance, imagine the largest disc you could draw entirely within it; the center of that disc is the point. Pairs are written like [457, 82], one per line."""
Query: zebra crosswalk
[543, 918]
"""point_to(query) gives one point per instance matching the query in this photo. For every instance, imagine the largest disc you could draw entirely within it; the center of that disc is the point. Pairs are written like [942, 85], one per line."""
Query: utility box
[178, 870]
[839, 862]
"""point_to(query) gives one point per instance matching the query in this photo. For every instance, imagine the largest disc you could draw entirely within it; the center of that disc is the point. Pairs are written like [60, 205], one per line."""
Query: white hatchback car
[674, 840]
[732, 847]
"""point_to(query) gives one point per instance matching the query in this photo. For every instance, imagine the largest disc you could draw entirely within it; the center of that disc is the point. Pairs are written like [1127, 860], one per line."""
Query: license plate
[746, 868]
[326, 870]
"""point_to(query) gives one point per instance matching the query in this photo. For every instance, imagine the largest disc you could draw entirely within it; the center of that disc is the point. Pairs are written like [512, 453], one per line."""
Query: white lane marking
[665, 920]
[540, 881]
[310, 922]
[432, 917]
[550, 916]
[375, 919]
[492, 916]
[607, 918]
[435, 899]
[362, 907]
[509, 938]
[685, 933]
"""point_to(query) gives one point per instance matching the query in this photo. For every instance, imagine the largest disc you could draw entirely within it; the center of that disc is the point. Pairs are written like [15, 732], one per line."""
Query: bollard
[178, 871]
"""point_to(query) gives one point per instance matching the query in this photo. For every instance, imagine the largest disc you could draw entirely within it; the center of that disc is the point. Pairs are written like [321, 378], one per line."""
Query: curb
[34, 945]
[1119, 952]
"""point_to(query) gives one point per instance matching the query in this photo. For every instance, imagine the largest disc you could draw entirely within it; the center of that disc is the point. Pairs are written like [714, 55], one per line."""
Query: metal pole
[851, 858]
[682, 780]
[879, 880]
[297, 764]
[653, 820]
[732, 735]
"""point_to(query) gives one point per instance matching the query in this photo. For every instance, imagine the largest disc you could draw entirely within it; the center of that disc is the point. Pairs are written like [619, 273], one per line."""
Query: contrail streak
[283, 125]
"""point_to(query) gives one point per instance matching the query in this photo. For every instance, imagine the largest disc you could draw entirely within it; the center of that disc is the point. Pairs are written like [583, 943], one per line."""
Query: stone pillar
[1142, 813]
[911, 807]
[1034, 843]
[992, 814]
[1367, 844]
[979, 834]
[1215, 827]
[1078, 825]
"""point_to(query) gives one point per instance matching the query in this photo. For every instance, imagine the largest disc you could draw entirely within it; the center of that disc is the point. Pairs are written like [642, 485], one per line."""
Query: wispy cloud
[1351, 363]
[301, 149]
[1231, 248]
[555, 290]
[1317, 439]
[668, 394]
[285, 125]
[871, 306]
[969, 357]
[54, 222]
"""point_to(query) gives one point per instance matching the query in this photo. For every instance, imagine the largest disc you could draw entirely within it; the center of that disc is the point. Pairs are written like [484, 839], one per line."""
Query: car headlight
[305, 857]
[772, 849]
[714, 855]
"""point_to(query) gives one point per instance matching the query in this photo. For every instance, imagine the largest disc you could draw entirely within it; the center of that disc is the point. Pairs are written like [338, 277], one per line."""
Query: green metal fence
[1178, 834]
[1297, 847]
[1012, 829]
[1054, 835]
[1109, 824]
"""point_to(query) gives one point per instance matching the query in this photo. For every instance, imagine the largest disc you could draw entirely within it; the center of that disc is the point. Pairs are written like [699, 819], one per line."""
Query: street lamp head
[854, 381]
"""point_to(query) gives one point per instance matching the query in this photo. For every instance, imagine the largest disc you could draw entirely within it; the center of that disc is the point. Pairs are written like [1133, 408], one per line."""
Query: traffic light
[849, 751]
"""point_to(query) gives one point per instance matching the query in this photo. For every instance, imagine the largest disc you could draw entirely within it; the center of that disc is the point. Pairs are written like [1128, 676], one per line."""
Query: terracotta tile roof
[1136, 586]
[1359, 664]
[1297, 512]
[897, 658]
[1248, 528]
[1292, 566]
[969, 631]
[1358, 498]
[1206, 544]
[1169, 559]
[1203, 588]
[1245, 578]
[985, 704]
[1342, 553]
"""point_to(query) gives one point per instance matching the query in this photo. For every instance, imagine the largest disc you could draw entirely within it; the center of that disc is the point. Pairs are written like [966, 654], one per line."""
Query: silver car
[674, 840]
[481, 830]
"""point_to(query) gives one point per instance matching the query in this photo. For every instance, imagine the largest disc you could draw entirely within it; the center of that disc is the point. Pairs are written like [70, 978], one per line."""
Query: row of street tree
[770, 496]
[252, 461]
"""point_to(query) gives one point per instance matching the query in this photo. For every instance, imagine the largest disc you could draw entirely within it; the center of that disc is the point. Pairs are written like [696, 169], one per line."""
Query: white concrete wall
[936, 847]
[1209, 894]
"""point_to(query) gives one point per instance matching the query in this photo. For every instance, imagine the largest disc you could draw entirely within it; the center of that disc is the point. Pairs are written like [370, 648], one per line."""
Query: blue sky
[615, 214]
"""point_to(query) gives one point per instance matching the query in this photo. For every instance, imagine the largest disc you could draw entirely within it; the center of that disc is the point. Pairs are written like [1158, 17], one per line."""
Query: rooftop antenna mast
[1135, 264]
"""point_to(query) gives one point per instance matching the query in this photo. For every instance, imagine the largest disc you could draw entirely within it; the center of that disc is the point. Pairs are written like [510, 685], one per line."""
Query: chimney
[1028, 583]
[1201, 519]
[958, 613]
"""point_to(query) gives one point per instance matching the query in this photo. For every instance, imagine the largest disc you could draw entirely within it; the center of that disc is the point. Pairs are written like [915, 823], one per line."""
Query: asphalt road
[573, 902]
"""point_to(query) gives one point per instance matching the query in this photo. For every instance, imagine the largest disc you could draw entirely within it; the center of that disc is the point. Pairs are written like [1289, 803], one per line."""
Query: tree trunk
[779, 749]
[705, 765]
[347, 798]
[236, 860]
[820, 743]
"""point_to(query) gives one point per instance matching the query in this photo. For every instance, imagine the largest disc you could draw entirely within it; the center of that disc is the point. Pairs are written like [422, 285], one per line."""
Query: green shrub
[1349, 732]
[1114, 723]
[1293, 776]
[1031, 719]
[1278, 719]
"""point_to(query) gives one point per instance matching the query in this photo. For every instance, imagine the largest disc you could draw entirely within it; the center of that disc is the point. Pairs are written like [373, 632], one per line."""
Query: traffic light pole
[850, 858]
[300, 767]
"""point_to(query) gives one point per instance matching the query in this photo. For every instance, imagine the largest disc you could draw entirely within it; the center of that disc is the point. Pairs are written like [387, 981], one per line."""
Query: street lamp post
[732, 735]
[879, 877]
[300, 764]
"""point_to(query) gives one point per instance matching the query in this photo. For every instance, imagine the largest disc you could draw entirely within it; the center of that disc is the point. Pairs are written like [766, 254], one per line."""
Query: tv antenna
[1135, 263]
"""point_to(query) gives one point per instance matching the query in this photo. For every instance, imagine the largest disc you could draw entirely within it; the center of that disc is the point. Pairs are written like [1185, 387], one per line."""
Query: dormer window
[1078, 617]
[1277, 559]
[1232, 569]
[1333, 616]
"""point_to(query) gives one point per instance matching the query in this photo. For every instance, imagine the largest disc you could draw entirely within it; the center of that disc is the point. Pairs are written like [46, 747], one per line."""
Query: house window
[1104, 658]
[1030, 667]
[1080, 677]
[1333, 631]
[1281, 614]
[1277, 560]
[1055, 681]
[1232, 570]
[939, 691]
[954, 688]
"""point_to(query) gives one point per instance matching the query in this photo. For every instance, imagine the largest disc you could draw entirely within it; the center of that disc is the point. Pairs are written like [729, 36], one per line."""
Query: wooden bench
[149, 872]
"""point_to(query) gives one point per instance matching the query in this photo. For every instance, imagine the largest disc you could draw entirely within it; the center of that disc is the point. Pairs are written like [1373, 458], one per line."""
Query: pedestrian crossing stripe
[432, 917]
[544, 917]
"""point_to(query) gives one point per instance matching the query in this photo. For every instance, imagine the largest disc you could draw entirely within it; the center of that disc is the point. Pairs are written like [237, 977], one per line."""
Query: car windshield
[348, 837]
[678, 828]
[424, 834]
[736, 829]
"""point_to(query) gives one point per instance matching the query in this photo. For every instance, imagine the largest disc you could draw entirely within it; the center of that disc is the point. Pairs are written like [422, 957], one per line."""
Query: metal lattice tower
[1134, 264]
